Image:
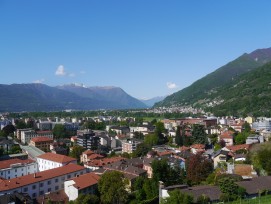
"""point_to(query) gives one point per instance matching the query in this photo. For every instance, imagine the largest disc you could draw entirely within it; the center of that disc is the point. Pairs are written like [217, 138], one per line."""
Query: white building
[83, 184]
[27, 135]
[38, 184]
[13, 168]
[50, 161]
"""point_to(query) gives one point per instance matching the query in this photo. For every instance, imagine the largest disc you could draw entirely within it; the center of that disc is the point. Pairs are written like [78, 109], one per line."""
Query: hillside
[40, 97]
[150, 102]
[249, 94]
[203, 88]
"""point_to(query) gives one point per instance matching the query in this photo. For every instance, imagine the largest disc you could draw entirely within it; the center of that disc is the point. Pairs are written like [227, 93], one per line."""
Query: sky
[147, 47]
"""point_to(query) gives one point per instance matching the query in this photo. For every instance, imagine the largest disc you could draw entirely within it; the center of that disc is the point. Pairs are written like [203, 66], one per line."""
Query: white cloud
[60, 71]
[39, 81]
[171, 85]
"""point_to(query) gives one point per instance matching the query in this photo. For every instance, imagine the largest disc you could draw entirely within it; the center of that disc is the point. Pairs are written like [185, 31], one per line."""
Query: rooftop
[56, 157]
[85, 180]
[37, 177]
[6, 163]
[42, 139]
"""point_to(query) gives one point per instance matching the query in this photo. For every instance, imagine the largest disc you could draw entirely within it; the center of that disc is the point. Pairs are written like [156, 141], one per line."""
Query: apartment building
[42, 143]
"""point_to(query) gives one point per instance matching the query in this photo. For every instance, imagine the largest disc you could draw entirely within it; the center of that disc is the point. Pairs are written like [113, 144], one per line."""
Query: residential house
[27, 135]
[82, 184]
[88, 139]
[130, 146]
[252, 139]
[220, 156]
[197, 148]
[227, 136]
[95, 164]
[244, 170]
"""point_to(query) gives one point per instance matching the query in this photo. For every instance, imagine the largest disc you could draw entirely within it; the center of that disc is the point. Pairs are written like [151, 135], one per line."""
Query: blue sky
[147, 47]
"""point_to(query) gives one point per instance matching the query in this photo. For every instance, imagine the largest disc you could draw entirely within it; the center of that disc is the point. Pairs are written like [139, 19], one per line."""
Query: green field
[259, 200]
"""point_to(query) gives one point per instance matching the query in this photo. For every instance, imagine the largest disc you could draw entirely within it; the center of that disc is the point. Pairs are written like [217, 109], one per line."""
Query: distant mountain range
[150, 102]
[238, 88]
[40, 97]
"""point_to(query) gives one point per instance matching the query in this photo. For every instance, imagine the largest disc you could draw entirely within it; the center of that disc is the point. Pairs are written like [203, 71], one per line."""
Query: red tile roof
[42, 139]
[88, 152]
[234, 148]
[103, 162]
[95, 156]
[38, 177]
[85, 180]
[198, 146]
[56, 157]
[6, 163]
[184, 148]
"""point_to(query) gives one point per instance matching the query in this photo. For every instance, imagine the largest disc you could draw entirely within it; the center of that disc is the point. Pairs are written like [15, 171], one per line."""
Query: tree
[20, 124]
[203, 199]
[159, 130]
[240, 138]
[262, 159]
[230, 189]
[112, 187]
[76, 152]
[15, 149]
[198, 168]
[177, 197]
[141, 150]
[8, 129]
[213, 138]
[59, 131]
[179, 138]
[199, 135]
[86, 199]
[151, 139]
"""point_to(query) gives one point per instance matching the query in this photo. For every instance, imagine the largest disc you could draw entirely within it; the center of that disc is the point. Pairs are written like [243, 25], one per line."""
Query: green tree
[203, 199]
[59, 131]
[179, 137]
[151, 139]
[177, 197]
[15, 149]
[141, 150]
[112, 187]
[199, 135]
[230, 189]
[87, 199]
[159, 130]
[76, 152]
[240, 138]
[20, 124]
[8, 129]
[262, 159]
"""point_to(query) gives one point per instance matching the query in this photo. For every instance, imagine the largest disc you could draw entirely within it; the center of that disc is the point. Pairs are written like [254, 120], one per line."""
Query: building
[82, 184]
[129, 146]
[19, 132]
[50, 161]
[27, 135]
[42, 143]
[13, 168]
[88, 139]
[40, 183]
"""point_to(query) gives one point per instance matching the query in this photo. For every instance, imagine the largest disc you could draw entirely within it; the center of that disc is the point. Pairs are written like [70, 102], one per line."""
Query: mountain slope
[249, 94]
[110, 95]
[40, 97]
[150, 102]
[209, 84]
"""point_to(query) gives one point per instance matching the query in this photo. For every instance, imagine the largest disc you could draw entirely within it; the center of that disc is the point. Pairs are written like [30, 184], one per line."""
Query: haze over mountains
[40, 97]
[230, 89]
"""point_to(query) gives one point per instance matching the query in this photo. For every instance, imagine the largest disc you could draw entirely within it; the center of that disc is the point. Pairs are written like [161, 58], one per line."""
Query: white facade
[44, 164]
[38, 184]
[19, 169]
[27, 135]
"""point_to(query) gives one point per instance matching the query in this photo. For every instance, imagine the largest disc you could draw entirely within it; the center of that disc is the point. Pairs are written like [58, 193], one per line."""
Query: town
[116, 159]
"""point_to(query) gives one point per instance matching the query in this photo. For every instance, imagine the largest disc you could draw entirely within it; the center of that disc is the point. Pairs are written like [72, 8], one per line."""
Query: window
[41, 192]
[34, 187]
[48, 182]
[56, 188]
[56, 180]
[25, 189]
[49, 189]
[34, 195]
[69, 176]
[41, 184]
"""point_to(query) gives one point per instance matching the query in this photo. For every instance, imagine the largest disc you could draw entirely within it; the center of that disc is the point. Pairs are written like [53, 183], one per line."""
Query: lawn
[259, 200]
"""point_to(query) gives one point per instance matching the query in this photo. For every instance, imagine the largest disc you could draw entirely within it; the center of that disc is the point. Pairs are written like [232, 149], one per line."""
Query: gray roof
[254, 185]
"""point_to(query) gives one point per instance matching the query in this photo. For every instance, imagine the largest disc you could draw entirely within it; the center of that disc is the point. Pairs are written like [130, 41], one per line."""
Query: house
[256, 185]
[252, 139]
[50, 161]
[13, 168]
[237, 148]
[212, 192]
[227, 136]
[89, 155]
[82, 184]
[27, 135]
[42, 143]
[100, 163]
[120, 130]
[197, 148]
[16, 198]
[40, 183]
[244, 170]
[220, 156]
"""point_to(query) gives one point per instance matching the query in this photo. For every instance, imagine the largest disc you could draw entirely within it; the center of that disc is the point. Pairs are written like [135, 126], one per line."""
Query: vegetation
[112, 187]
[177, 197]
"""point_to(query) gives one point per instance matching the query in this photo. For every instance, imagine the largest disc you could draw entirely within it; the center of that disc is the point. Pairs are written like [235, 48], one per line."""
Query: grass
[259, 200]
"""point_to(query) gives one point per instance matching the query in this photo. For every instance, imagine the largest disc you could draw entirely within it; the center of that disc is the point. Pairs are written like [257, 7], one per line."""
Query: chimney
[35, 176]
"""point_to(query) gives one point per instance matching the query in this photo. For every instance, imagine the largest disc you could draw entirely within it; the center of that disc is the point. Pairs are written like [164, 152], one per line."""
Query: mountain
[108, 94]
[248, 94]
[40, 97]
[201, 90]
[150, 102]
